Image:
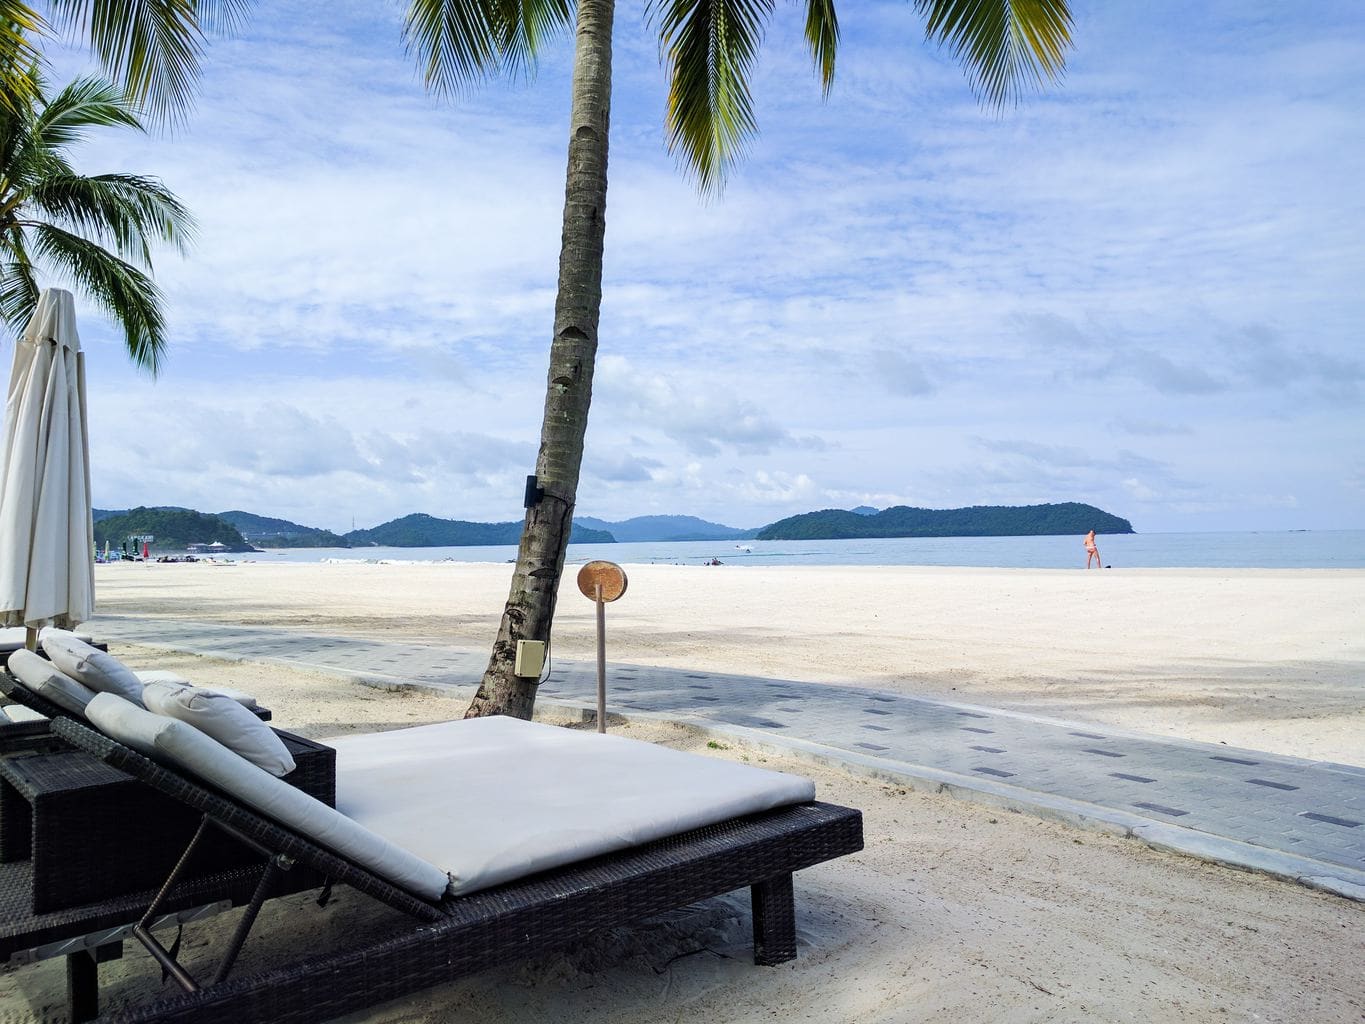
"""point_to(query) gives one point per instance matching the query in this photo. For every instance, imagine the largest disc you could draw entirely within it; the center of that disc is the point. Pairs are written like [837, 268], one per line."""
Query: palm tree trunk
[545, 535]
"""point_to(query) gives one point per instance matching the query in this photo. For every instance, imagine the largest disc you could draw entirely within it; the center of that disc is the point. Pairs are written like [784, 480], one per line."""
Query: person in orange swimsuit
[1092, 552]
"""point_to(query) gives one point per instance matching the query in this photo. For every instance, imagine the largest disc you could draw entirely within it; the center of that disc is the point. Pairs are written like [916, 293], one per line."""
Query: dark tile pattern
[1330, 819]
[1273, 785]
[1174, 812]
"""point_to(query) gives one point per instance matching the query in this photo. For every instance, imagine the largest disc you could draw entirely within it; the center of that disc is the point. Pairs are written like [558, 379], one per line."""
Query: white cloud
[1164, 251]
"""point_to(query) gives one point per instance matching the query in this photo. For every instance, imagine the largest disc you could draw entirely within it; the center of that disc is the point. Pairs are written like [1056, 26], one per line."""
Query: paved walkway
[1298, 819]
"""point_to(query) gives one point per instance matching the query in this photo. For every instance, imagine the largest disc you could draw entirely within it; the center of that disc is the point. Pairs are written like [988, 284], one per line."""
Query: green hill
[665, 528]
[424, 531]
[977, 521]
[174, 529]
[266, 532]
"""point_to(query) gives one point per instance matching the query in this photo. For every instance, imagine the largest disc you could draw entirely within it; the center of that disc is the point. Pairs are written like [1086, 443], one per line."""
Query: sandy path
[1266, 659]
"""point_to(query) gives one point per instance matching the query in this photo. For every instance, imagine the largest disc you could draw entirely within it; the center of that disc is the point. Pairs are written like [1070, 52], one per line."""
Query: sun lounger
[83, 846]
[512, 917]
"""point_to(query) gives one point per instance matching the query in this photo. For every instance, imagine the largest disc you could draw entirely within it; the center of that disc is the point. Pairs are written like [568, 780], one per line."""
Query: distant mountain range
[281, 533]
[977, 521]
[175, 528]
[423, 531]
[666, 528]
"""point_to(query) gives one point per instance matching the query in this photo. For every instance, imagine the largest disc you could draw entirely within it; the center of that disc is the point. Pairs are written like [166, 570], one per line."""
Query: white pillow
[97, 669]
[222, 718]
[46, 680]
[163, 676]
[177, 743]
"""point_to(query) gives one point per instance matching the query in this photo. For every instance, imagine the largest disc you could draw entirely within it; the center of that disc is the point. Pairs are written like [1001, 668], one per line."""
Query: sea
[1300, 549]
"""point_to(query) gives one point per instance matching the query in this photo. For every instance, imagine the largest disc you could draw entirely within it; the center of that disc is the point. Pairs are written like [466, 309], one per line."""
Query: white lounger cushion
[162, 676]
[172, 741]
[493, 799]
[96, 669]
[224, 719]
[47, 680]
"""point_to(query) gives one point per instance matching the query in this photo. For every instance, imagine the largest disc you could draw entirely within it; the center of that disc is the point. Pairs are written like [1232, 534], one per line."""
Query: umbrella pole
[30, 638]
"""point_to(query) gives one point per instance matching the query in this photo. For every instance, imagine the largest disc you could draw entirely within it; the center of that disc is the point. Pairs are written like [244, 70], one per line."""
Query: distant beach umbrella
[146, 550]
[47, 576]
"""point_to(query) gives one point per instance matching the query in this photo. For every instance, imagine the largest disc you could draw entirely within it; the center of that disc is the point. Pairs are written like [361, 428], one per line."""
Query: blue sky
[1141, 289]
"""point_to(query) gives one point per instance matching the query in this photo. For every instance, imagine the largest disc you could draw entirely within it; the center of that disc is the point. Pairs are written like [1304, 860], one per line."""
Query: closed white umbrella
[47, 537]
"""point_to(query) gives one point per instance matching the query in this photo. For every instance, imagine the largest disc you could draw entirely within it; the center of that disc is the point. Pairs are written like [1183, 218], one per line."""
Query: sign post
[602, 582]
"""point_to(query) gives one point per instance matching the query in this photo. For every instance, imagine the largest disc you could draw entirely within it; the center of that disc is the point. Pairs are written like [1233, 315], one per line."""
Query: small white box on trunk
[530, 658]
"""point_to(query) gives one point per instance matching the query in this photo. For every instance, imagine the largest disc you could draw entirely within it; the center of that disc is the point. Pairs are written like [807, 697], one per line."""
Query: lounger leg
[82, 986]
[774, 921]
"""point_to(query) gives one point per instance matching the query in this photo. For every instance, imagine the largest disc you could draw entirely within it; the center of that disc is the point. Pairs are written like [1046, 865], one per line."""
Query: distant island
[423, 531]
[175, 529]
[977, 521]
[666, 528]
[265, 532]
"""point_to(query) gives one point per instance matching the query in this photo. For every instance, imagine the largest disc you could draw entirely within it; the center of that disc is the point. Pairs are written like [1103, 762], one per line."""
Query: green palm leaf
[822, 36]
[124, 210]
[18, 292]
[1004, 45]
[97, 231]
[709, 48]
[85, 103]
[152, 47]
[18, 57]
[461, 42]
[125, 292]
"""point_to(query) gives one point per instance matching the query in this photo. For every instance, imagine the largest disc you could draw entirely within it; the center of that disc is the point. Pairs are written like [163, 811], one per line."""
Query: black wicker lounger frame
[458, 936]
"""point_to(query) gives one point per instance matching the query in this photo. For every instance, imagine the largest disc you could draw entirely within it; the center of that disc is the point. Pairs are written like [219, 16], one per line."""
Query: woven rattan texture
[96, 833]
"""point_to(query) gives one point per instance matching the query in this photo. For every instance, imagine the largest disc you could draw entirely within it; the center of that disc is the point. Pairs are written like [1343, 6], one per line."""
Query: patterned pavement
[1298, 819]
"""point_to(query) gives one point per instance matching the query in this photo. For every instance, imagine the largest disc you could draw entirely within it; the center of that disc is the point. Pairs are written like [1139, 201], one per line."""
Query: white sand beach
[1265, 659]
[954, 911]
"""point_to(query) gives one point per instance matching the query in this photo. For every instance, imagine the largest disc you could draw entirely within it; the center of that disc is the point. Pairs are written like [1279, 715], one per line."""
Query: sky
[1140, 288]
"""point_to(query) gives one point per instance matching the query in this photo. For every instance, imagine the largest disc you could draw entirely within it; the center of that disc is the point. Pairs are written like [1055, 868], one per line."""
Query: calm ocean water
[1317, 549]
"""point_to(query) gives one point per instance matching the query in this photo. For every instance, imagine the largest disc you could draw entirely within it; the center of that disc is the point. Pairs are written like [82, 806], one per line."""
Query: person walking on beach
[1091, 551]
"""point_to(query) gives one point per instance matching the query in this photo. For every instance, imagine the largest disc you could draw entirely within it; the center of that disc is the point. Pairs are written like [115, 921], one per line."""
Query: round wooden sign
[607, 575]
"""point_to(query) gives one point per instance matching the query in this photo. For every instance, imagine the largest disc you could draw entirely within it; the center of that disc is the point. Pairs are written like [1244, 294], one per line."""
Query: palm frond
[822, 36]
[18, 289]
[708, 47]
[1004, 45]
[85, 103]
[127, 211]
[522, 27]
[152, 48]
[129, 296]
[455, 41]
[19, 59]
